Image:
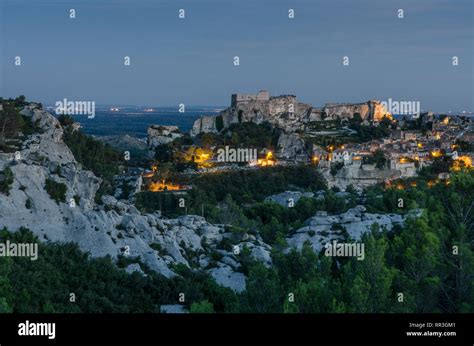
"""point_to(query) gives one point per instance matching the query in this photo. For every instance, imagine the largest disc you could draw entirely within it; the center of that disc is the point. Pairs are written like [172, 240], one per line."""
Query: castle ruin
[262, 95]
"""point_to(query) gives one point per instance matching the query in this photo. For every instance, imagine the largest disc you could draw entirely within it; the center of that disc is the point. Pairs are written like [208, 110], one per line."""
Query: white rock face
[159, 134]
[359, 176]
[114, 228]
[173, 309]
[292, 147]
[205, 124]
[284, 112]
[319, 228]
[225, 276]
[284, 199]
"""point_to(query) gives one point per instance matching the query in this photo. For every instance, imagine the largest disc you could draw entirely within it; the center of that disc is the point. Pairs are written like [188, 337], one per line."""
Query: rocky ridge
[117, 228]
[114, 228]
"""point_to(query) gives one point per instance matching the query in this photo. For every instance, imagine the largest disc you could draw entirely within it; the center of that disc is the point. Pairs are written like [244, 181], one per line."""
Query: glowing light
[420, 145]
[403, 160]
[201, 157]
[163, 186]
[446, 121]
[436, 153]
[462, 162]
[267, 161]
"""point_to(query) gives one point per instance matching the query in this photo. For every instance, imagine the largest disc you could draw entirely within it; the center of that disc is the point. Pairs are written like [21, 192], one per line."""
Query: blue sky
[191, 61]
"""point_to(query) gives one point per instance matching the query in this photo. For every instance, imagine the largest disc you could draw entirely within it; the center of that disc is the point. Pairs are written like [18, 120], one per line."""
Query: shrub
[6, 180]
[219, 123]
[56, 191]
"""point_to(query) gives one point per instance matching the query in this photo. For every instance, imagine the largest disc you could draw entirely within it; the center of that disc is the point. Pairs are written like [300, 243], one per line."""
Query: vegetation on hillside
[425, 266]
[93, 154]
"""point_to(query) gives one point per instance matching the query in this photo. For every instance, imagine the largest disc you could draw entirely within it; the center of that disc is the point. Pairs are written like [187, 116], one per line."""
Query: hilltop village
[350, 144]
[250, 193]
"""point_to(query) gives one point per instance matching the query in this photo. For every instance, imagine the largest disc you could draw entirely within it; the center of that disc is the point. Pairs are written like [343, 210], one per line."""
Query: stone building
[262, 95]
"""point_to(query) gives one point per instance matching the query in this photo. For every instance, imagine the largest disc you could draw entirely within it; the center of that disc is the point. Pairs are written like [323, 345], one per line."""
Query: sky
[190, 60]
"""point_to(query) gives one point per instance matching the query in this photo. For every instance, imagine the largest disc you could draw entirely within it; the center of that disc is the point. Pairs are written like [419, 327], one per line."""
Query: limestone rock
[158, 135]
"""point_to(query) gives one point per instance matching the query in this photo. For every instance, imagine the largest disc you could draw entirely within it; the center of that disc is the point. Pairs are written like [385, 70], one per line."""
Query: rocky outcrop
[284, 112]
[359, 176]
[292, 147]
[136, 147]
[320, 229]
[160, 134]
[288, 198]
[205, 124]
[114, 227]
[372, 110]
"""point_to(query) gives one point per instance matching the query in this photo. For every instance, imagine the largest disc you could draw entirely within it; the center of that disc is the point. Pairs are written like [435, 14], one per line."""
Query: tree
[201, 307]
[263, 293]
[10, 122]
[416, 250]
[367, 283]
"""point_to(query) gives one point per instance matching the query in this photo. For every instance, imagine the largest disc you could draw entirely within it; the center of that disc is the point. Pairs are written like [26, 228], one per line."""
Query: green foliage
[219, 123]
[202, 307]
[57, 191]
[100, 286]
[378, 158]
[93, 154]
[253, 185]
[250, 135]
[263, 293]
[367, 133]
[6, 180]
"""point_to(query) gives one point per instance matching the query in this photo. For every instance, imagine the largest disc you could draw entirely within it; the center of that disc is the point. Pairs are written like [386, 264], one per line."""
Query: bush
[56, 191]
[6, 180]
[203, 307]
[219, 123]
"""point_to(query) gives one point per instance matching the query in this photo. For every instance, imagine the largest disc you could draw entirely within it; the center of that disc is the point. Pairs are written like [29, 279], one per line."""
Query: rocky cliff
[115, 227]
[372, 110]
[160, 134]
[285, 112]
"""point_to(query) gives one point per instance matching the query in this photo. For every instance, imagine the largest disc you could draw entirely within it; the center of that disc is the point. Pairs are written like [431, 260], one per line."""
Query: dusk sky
[191, 61]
